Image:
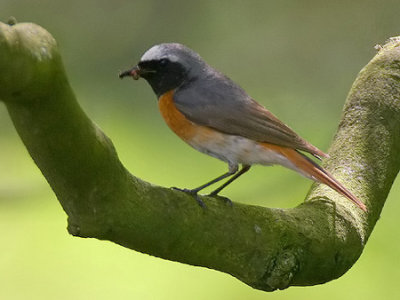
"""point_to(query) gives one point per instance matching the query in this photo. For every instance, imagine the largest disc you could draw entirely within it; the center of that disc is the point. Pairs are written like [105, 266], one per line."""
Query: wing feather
[217, 102]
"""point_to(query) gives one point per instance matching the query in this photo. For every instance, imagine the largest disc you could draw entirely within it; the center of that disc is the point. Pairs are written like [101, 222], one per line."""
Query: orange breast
[184, 128]
[202, 138]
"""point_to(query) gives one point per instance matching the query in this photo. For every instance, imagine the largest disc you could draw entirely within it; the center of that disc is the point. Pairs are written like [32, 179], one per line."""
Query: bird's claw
[196, 196]
[194, 193]
[225, 199]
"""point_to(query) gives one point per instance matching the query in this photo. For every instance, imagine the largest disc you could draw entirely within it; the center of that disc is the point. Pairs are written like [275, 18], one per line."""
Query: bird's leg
[243, 170]
[232, 170]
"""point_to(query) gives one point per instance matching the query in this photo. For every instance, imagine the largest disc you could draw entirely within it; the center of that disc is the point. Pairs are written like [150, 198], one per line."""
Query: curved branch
[266, 248]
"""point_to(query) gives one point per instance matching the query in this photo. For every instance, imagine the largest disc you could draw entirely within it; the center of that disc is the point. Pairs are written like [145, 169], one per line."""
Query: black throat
[163, 78]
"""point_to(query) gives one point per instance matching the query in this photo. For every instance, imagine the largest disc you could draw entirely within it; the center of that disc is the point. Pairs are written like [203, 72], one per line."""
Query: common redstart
[215, 116]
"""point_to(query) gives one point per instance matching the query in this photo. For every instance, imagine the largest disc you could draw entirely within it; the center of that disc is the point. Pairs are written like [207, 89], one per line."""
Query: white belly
[239, 150]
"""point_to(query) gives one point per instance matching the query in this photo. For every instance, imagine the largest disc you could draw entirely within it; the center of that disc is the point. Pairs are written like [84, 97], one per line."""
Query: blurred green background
[298, 58]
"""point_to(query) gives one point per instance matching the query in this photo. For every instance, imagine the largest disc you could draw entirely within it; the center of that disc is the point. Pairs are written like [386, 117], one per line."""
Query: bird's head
[167, 66]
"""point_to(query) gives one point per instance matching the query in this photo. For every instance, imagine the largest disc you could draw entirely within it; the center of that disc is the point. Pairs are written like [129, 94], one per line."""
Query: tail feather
[312, 170]
[314, 151]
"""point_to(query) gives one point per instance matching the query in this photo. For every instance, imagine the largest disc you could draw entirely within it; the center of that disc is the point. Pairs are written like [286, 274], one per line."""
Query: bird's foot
[225, 199]
[194, 193]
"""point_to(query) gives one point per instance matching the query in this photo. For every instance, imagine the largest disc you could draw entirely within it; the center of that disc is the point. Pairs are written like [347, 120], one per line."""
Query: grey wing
[220, 104]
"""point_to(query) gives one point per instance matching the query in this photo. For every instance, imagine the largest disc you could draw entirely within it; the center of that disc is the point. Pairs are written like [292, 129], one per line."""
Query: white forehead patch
[153, 53]
[158, 52]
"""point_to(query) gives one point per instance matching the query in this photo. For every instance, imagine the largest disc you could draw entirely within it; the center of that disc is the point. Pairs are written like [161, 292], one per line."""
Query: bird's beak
[134, 73]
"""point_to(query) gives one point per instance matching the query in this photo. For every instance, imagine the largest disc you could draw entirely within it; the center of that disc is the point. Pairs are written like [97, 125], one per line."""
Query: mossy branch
[266, 248]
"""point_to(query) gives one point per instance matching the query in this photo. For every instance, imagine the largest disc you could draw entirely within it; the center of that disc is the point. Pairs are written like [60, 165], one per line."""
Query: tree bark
[266, 248]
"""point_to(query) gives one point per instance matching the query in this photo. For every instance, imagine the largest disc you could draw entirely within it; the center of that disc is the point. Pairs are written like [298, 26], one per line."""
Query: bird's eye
[164, 62]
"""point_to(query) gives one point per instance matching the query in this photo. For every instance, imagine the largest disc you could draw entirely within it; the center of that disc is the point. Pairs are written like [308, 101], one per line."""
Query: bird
[214, 115]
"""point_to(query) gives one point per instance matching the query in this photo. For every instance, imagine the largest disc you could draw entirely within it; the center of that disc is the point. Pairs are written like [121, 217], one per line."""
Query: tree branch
[266, 248]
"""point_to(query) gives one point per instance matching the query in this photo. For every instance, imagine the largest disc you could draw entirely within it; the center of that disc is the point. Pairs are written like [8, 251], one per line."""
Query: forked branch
[266, 248]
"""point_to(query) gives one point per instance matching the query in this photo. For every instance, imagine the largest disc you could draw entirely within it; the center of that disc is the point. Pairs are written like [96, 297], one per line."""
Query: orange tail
[312, 170]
